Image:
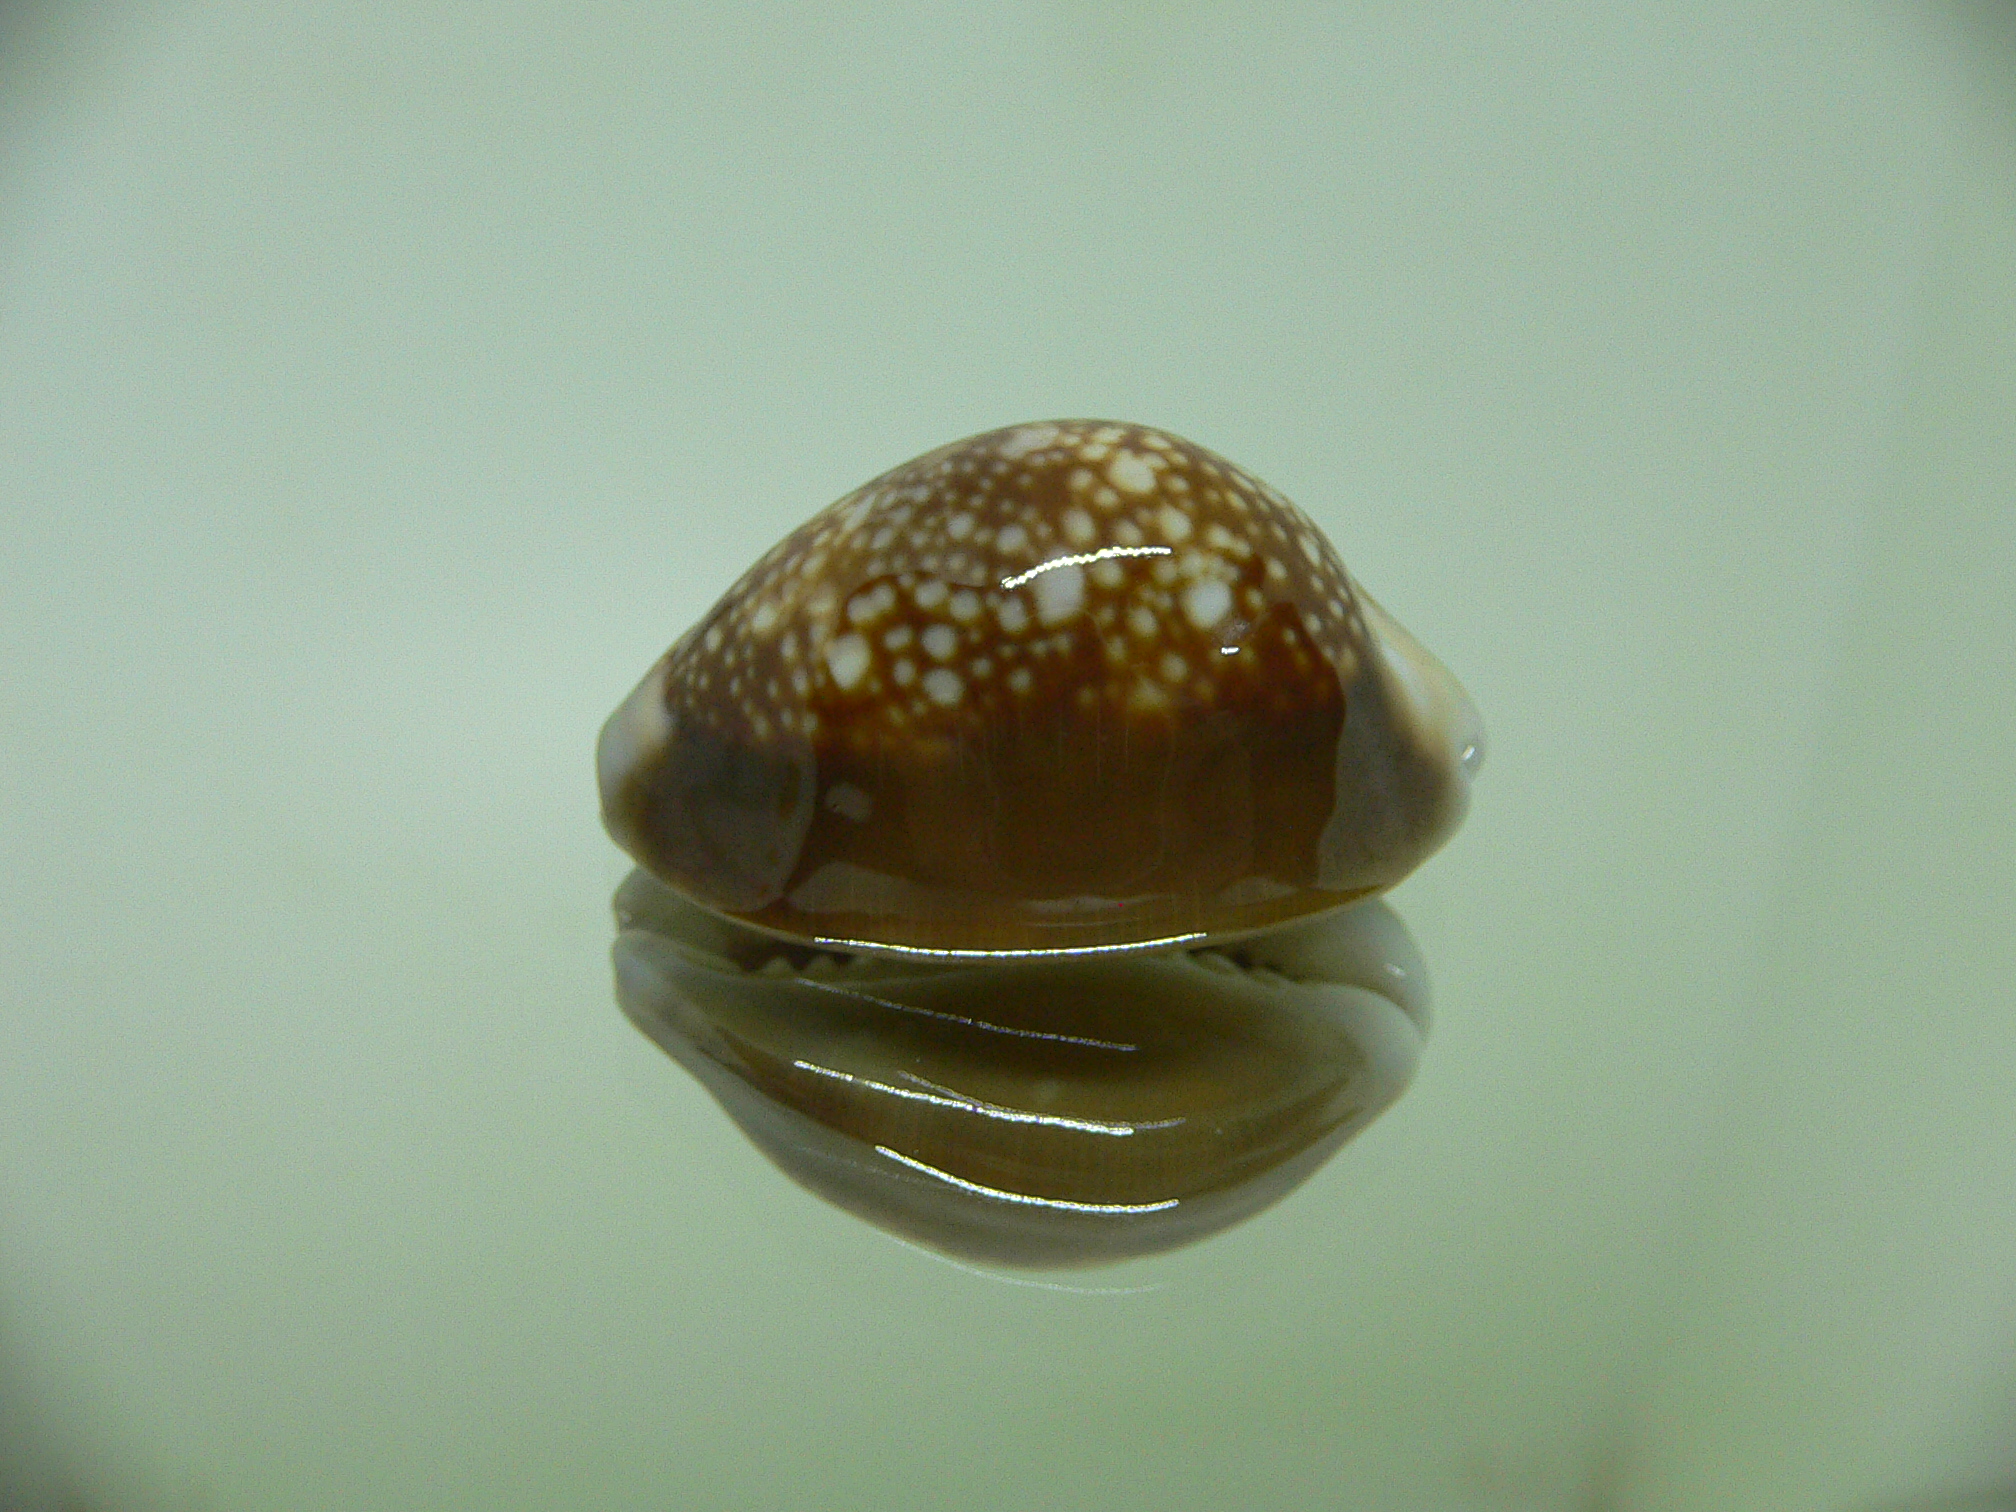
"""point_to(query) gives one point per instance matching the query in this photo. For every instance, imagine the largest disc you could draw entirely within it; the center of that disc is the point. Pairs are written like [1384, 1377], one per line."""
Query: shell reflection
[1049, 1112]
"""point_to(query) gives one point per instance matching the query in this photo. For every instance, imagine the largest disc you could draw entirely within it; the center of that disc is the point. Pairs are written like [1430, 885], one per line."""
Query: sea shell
[1042, 1112]
[1068, 687]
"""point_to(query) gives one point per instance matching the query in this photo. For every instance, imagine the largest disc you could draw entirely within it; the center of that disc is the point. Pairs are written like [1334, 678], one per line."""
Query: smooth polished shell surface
[1067, 686]
[1046, 1112]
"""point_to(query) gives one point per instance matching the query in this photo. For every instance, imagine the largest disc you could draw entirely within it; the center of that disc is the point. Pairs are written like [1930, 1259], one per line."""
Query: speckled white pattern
[980, 573]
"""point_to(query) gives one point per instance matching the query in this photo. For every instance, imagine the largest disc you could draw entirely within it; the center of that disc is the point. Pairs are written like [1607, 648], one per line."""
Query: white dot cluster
[1106, 563]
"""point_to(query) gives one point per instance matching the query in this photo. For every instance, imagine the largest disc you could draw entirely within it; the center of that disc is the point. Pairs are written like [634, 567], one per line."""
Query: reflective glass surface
[383, 387]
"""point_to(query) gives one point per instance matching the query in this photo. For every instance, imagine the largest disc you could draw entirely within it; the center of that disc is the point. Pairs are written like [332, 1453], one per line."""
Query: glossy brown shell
[1065, 686]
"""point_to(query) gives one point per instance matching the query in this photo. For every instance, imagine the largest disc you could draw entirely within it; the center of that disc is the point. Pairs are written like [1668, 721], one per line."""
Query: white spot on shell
[940, 641]
[1011, 538]
[1174, 524]
[1130, 473]
[1147, 696]
[944, 686]
[847, 659]
[1060, 592]
[1019, 443]
[1078, 527]
[904, 672]
[871, 605]
[965, 606]
[1205, 602]
[1013, 616]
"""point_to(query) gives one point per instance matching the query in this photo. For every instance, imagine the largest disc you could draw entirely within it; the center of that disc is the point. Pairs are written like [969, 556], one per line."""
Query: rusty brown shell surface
[1066, 687]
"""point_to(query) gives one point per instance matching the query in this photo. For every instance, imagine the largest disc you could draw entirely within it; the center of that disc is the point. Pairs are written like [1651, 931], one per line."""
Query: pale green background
[383, 385]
